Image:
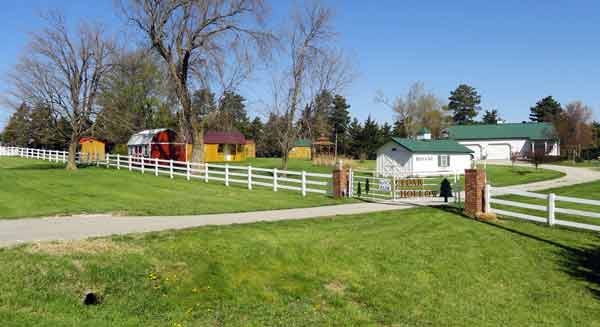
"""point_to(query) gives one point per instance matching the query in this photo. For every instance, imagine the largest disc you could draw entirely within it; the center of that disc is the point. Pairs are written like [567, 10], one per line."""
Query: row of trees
[189, 47]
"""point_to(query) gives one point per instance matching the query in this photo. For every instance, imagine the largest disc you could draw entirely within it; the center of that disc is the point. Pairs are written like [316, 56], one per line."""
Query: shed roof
[144, 137]
[90, 139]
[306, 143]
[213, 137]
[532, 131]
[432, 146]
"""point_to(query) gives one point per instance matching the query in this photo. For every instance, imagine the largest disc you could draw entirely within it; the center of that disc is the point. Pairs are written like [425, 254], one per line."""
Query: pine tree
[491, 117]
[18, 130]
[232, 115]
[464, 103]
[43, 132]
[339, 118]
[545, 110]
[323, 105]
[370, 138]
[446, 190]
[355, 138]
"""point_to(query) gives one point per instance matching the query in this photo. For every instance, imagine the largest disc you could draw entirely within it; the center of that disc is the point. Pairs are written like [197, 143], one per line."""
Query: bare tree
[63, 71]
[194, 38]
[417, 109]
[311, 66]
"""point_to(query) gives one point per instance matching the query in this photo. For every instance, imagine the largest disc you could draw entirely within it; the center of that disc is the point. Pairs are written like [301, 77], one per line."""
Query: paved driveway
[13, 232]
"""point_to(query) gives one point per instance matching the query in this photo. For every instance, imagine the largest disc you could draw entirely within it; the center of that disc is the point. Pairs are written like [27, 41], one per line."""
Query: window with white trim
[443, 160]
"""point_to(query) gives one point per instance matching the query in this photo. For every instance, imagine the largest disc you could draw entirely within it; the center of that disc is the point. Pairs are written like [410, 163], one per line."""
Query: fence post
[118, 161]
[551, 208]
[107, 160]
[274, 179]
[155, 166]
[142, 163]
[226, 174]
[350, 183]
[129, 162]
[250, 177]
[171, 168]
[303, 183]
[64, 157]
[188, 172]
[97, 159]
[487, 197]
[206, 172]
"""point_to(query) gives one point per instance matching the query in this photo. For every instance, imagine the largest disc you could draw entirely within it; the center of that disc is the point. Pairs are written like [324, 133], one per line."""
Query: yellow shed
[302, 150]
[92, 148]
[250, 149]
[224, 146]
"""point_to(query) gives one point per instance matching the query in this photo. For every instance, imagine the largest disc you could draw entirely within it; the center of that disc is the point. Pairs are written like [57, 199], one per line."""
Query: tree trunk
[198, 144]
[284, 158]
[71, 160]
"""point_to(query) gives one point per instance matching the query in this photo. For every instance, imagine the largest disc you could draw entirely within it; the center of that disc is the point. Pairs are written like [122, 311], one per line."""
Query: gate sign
[384, 185]
[401, 190]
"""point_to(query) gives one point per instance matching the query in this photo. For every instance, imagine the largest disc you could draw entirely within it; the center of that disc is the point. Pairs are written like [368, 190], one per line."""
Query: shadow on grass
[582, 262]
[45, 167]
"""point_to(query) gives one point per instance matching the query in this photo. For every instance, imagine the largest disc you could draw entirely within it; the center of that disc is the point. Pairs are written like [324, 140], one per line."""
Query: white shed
[423, 157]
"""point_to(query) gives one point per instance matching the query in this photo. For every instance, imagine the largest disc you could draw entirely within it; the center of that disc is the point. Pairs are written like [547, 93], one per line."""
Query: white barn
[500, 141]
[402, 157]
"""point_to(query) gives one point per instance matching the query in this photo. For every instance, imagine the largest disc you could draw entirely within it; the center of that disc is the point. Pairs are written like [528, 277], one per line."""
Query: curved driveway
[14, 232]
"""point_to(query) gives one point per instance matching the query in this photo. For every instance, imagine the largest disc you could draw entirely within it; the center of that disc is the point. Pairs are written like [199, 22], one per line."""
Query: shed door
[498, 152]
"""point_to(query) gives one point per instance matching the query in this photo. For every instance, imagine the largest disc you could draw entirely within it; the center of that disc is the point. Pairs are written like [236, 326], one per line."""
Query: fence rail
[550, 209]
[298, 181]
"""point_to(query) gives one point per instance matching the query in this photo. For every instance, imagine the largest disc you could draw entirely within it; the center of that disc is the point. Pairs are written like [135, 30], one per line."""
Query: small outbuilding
[302, 150]
[250, 149]
[159, 143]
[401, 157]
[224, 146]
[92, 148]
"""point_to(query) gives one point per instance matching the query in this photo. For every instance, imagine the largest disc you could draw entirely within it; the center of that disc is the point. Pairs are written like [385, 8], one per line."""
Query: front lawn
[38, 188]
[307, 165]
[508, 175]
[418, 267]
[586, 191]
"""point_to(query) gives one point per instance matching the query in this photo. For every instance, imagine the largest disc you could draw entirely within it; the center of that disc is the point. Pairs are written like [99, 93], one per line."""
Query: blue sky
[513, 52]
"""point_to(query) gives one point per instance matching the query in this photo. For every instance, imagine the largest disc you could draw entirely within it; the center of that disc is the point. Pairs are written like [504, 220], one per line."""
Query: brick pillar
[474, 187]
[340, 183]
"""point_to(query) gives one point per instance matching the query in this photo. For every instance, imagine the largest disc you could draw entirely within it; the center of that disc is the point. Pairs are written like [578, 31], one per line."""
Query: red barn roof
[212, 137]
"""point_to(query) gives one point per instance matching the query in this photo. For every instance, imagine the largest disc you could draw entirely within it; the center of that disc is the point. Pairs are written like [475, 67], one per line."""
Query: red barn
[157, 143]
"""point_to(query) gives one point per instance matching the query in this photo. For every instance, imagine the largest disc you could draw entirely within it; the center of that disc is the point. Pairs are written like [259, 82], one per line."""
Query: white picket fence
[549, 210]
[276, 179]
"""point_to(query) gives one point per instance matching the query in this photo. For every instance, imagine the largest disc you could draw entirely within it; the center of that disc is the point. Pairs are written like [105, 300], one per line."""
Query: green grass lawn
[307, 165]
[418, 267]
[498, 175]
[38, 188]
[586, 191]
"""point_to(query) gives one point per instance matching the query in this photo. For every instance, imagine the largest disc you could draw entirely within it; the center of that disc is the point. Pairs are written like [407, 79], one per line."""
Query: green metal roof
[532, 131]
[432, 146]
[303, 143]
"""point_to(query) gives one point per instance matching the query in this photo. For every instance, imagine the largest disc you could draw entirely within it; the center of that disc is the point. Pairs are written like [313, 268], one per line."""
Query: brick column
[340, 183]
[474, 187]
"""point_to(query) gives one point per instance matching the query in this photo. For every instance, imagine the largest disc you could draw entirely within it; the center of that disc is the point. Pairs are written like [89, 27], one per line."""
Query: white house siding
[395, 160]
[497, 149]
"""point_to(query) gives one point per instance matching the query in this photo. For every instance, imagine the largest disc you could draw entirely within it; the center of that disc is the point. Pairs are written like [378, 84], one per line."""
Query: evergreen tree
[339, 118]
[370, 138]
[355, 137]
[271, 145]
[545, 110]
[17, 131]
[385, 133]
[256, 130]
[491, 117]
[232, 115]
[464, 103]
[399, 130]
[44, 134]
[319, 123]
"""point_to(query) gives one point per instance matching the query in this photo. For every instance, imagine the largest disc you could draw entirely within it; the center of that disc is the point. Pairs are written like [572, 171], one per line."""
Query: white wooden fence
[276, 179]
[549, 210]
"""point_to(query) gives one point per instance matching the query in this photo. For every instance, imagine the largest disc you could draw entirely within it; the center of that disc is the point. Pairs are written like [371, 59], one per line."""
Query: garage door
[476, 151]
[498, 151]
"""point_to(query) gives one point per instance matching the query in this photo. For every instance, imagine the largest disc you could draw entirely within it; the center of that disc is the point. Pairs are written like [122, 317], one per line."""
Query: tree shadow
[45, 167]
[581, 262]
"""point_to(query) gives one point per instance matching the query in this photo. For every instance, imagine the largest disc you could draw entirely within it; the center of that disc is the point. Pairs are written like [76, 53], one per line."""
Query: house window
[233, 149]
[221, 148]
[444, 160]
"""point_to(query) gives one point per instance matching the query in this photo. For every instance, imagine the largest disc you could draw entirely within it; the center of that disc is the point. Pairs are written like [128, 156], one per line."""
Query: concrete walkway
[14, 232]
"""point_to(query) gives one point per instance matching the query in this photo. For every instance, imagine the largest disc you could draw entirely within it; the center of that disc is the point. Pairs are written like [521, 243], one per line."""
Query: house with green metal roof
[502, 141]
[402, 157]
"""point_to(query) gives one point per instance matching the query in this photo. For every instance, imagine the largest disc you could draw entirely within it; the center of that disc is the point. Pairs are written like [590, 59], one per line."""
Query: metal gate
[366, 185]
